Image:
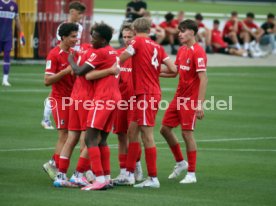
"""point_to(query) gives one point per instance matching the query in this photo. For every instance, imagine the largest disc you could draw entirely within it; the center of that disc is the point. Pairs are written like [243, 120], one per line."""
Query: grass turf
[237, 172]
[190, 6]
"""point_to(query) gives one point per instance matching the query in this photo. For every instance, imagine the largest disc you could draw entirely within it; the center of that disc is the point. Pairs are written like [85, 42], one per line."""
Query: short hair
[142, 25]
[234, 13]
[199, 17]
[105, 31]
[250, 15]
[77, 6]
[169, 16]
[216, 21]
[65, 29]
[270, 16]
[188, 24]
[127, 26]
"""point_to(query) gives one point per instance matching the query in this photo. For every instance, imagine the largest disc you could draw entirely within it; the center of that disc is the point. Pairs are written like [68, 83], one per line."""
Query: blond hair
[142, 25]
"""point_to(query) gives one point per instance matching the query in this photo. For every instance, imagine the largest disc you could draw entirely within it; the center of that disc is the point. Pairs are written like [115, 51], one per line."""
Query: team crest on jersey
[188, 61]
[12, 8]
[200, 62]
[48, 64]
[92, 57]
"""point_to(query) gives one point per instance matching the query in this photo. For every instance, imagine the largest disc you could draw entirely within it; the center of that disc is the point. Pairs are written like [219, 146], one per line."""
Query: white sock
[191, 174]
[246, 46]
[5, 77]
[107, 177]
[100, 179]
[123, 171]
[138, 164]
[181, 162]
[47, 111]
[238, 46]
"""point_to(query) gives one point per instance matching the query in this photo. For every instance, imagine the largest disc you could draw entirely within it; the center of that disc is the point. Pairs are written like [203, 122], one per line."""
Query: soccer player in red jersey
[58, 74]
[123, 115]
[147, 57]
[187, 104]
[106, 95]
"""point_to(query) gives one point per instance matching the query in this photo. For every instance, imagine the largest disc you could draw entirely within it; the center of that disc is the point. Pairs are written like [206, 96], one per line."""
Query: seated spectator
[135, 9]
[232, 30]
[179, 18]
[254, 31]
[156, 32]
[171, 31]
[204, 34]
[221, 46]
[270, 32]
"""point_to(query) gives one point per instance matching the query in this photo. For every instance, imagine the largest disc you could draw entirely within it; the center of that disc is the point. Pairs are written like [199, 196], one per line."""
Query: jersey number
[154, 60]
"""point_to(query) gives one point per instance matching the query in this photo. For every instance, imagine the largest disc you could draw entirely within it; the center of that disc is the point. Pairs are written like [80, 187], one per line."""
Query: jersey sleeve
[200, 61]
[51, 65]
[132, 48]
[94, 60]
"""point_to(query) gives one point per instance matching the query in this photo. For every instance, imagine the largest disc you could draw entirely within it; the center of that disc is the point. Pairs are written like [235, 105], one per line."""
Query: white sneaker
[151, 182]
[188, 179]
[120, 177]
[62, 181]
[178, 168]
[50, 168]
[127, 179]
[79, 179]
[47, 124]
[138, 173]
[90, 176]
[6, 84]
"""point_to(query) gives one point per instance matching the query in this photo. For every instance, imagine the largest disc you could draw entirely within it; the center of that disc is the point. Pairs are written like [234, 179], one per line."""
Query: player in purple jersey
[8, 12]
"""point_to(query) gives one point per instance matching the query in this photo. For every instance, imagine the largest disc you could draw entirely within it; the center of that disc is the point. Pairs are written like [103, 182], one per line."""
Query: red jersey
[189, 61]
[57, 60]
[106, 88]
[250, 25]
[217, 38]
[125, 79]
[83, 89]
[171, 24]
[228, 27]
[201, 25]
[147, 57]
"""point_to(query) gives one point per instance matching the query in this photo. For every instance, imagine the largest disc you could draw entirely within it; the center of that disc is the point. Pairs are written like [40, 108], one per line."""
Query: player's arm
[124, 56]
[19, 29]
[170, 69]
[76, 69]
[50, 79]
[98, 74]
[201, 94]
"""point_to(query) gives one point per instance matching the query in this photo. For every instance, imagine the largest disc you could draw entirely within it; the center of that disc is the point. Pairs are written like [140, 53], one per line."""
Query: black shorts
[223, 50]
[229, 41]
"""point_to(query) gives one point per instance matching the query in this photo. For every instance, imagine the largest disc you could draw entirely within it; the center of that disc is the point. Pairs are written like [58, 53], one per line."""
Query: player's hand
[199, 112]
[115, 69]
[22, 39]
[68, 70]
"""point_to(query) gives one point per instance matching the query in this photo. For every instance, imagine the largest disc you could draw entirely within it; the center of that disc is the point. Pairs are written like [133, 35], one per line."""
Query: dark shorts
[229, 41]
[223, 50]
[5, 46]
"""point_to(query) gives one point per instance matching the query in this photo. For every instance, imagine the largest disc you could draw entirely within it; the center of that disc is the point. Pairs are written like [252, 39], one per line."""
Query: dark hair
[234, 13]
[250, 15]
[199, 17]
[169, 16]
[270, 16]
[216, 21]
[65, 29]
[104, 30]
[188, 24]
[78, 6]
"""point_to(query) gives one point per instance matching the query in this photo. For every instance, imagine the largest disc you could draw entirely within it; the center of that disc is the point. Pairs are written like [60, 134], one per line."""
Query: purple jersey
[8, 11]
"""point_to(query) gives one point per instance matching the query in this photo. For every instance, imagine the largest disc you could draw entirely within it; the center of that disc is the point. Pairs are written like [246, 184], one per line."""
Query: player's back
[147, 59]
[106, 88]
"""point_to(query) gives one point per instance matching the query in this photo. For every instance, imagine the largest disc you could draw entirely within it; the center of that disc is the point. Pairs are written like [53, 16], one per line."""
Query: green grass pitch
[236, 158]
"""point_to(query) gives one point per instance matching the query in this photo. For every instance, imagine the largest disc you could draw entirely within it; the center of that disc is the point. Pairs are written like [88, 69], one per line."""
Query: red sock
[151, 156]
[64, 163]
[177, 153]
[191, 161]
[105, 157]
[122, 160]
[83, 165]
[56, 159]
[139, 154]
[132, 155]
[95, 160]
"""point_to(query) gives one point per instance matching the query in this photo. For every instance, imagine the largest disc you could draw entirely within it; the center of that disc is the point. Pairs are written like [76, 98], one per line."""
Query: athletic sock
[83, 165]
[177, 153]
[64, 163]
[133, 152]
[191, 155]
[122, 160]
[105, 158]
[151, 156]
[95, 160]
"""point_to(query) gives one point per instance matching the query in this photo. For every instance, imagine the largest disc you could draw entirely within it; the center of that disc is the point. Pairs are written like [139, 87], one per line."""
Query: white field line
[10, 90]
[163, 142]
